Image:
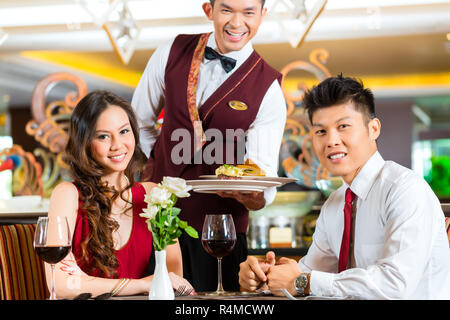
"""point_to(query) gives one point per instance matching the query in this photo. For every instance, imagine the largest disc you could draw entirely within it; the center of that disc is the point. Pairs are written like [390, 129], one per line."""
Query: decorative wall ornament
[297, 157]
[26, 178]
[50, 123]
[53, 172]
[49, 127]
[296, 17]
[317, 58]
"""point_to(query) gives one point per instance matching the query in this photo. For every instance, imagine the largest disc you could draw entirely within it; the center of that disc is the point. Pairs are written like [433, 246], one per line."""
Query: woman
[102, 205]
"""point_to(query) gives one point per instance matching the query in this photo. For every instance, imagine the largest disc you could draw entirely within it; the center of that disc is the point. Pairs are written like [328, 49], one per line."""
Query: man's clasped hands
[269, 274]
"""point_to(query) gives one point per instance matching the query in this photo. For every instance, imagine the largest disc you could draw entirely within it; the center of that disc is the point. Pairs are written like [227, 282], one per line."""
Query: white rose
[149, 212]
[177, 186]
[159, 195]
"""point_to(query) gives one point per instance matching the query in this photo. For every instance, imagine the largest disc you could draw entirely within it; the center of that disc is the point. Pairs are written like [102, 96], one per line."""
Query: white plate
[281, 180]
[212, 183]
[243, 189]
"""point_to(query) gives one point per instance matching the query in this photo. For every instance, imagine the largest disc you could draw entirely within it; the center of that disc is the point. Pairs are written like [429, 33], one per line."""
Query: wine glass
[218, 239]
[52, 243]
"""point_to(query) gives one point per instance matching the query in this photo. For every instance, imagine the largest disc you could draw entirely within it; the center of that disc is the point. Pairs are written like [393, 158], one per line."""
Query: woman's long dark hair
[97, 196]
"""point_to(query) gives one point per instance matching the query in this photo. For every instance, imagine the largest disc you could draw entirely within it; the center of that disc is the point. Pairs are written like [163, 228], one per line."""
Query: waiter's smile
[235, 22]
[235, 36]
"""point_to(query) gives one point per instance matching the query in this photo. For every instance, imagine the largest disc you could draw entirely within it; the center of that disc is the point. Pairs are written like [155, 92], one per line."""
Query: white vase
[161, 288]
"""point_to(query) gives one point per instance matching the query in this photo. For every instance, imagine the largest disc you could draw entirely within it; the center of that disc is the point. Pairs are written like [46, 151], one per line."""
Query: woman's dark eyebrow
[126, 124]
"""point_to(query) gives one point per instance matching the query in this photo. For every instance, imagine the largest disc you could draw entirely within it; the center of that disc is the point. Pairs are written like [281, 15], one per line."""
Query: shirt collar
[365, 178]
[240, 56]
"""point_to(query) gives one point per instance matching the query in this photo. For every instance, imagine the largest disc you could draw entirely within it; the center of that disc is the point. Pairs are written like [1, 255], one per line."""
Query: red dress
[134, 256]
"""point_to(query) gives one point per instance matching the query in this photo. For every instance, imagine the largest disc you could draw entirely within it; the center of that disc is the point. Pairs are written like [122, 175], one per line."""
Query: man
[209, 85]
[381, 235]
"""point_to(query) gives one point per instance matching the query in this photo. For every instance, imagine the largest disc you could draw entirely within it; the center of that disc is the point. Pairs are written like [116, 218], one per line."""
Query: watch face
[301, 282]
[297, 284]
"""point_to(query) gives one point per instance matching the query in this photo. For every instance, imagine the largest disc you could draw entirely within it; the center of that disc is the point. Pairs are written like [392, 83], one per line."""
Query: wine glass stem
[219, 275]
[53, 294]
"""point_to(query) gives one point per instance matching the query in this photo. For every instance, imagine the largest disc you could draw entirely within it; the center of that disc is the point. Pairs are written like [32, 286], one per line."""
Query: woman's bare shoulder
[64, 198]
[65, 189]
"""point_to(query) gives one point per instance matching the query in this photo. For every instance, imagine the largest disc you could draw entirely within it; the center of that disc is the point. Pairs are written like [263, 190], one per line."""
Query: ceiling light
[99, 10]
[122, 31]
[295, 17]
[3, 36]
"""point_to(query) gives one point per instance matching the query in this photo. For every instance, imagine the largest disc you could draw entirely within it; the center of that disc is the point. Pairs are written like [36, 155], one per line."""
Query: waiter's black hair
[338, 90]
[212, 2]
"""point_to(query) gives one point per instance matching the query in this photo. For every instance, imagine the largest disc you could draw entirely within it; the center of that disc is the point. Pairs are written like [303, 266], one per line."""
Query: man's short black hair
[212, 2]
[339, 90]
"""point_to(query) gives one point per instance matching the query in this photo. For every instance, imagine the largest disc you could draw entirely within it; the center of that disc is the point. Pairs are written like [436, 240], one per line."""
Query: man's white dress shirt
[401, 248]
[264, 134]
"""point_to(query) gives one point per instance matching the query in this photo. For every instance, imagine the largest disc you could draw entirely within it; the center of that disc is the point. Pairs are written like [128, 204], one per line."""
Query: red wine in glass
[218, 239]
[52, 243]
[52, 254]
[219, 248]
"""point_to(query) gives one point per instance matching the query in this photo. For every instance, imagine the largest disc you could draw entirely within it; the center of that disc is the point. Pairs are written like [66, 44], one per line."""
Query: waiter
[212, 83]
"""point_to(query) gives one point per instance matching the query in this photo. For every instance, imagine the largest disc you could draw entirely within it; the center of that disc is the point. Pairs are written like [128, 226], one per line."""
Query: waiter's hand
[282, 276]
[252, 200]
[252, 272]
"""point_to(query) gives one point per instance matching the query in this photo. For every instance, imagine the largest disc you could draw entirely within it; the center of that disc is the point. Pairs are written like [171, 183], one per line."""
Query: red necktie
[345, 244]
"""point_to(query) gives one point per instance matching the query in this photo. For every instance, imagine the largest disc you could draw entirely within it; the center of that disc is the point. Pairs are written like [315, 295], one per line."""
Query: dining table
[241, 296]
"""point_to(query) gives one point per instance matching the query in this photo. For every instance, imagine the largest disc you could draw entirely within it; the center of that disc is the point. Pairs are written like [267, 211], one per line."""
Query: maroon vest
[256, 76]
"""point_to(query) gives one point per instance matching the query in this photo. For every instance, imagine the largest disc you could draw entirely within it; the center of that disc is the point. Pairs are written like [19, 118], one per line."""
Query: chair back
[22, 272]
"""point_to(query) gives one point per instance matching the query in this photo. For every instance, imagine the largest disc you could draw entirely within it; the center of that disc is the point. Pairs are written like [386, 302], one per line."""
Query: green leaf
[166, 227]
[159, 224]
[154, 225]
[178, 234]
[191, 231]
[175, 211]
[171, 242]
[182, 224]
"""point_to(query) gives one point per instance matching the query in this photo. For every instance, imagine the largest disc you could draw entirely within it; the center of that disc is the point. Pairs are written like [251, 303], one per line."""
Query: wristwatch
[301, 284]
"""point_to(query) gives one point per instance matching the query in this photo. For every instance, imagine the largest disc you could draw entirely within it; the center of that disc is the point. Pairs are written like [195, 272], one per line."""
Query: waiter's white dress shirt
[265, 133]
[401, 248]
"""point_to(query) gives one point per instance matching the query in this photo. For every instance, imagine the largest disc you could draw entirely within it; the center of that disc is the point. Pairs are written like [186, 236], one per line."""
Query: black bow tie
[227, 63]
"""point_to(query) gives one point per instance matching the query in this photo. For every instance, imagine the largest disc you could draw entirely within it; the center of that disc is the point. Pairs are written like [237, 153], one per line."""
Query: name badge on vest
[237, 105]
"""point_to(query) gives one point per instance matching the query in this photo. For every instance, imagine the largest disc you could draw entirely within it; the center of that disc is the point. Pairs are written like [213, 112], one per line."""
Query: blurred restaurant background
[53, 52]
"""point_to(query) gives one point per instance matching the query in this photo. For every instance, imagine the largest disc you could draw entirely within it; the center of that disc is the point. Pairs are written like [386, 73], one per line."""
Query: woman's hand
[178, 281]
[69, 265]
[175, 279]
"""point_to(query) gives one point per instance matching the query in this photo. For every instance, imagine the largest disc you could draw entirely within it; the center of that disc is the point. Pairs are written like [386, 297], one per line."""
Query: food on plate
[249, 168]
[227, 171]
